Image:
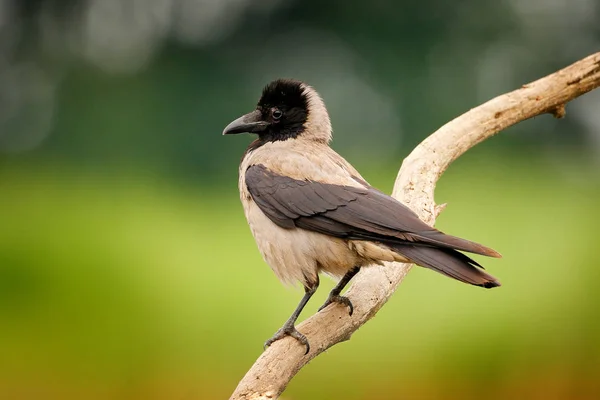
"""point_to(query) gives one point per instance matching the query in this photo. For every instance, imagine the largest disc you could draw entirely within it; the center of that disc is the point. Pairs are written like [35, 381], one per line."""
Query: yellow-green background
[127, 270]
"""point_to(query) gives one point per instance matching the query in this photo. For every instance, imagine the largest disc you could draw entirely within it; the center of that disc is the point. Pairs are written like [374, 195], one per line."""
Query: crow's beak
[249, 123]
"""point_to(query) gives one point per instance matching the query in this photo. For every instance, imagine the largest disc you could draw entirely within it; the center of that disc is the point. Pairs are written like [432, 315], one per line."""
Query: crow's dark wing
[359, 213]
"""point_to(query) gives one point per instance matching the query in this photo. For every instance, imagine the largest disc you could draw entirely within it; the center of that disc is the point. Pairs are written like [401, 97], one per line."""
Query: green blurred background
[127, 270]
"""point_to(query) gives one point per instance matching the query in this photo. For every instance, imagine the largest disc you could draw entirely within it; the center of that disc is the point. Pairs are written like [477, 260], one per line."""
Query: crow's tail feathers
[450, 263]
[440, 239]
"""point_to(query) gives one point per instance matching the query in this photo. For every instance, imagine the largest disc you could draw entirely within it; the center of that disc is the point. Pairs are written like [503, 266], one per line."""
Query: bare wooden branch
[415, 186]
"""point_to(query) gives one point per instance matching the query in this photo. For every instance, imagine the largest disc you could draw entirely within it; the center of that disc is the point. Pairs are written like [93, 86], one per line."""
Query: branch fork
[414, 186]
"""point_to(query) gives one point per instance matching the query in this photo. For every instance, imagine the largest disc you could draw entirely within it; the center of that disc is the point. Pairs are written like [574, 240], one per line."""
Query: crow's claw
[289, 330]
[338, 299]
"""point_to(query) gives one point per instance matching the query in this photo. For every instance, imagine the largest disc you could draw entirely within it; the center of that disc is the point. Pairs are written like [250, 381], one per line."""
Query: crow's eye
[276, 113]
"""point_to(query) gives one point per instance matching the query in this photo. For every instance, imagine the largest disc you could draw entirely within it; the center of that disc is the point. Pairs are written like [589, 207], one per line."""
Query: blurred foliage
[126, 82]
[127, 270]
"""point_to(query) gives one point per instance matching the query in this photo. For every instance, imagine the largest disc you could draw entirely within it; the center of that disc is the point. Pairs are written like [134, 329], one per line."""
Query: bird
[310, 211]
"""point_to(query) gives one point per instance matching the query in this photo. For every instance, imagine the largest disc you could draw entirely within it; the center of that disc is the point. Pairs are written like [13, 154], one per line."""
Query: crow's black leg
[288, 329]
[334, 295]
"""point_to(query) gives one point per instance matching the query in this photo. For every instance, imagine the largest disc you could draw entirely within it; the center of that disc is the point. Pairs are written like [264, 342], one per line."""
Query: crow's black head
[287, 109]
[284, 105]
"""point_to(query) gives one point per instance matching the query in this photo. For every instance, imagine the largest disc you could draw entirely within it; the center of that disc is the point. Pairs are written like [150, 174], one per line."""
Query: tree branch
[414, 186]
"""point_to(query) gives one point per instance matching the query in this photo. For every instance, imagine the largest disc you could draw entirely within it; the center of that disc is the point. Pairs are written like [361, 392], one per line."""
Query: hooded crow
[310, 211]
